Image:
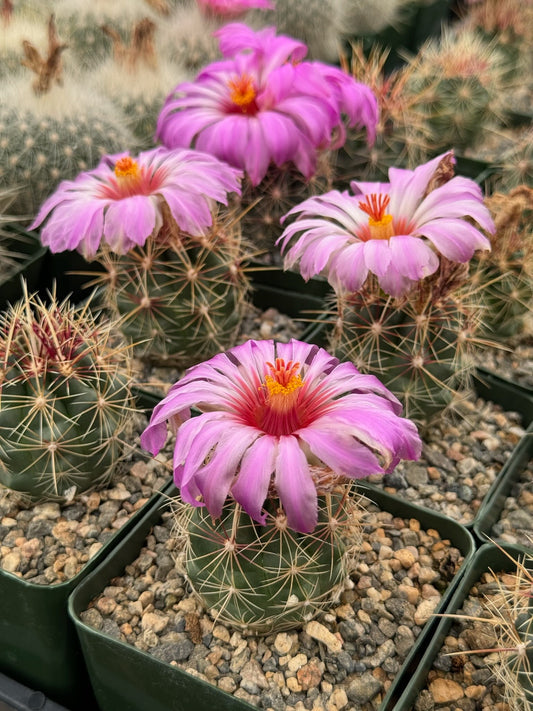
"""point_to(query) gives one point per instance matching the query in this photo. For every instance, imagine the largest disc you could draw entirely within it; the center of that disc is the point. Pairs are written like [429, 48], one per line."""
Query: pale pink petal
[295, 486]
[455, 239]
[255, 473]
[412, 257]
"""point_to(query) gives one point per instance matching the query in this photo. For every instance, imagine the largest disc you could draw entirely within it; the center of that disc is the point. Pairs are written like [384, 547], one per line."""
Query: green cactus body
[280, 190]
[268, 578]
[524, 656]
[187, 39]
[459, 79]
[421, 350]
[54, 129]
[182, 299]
[64, 399]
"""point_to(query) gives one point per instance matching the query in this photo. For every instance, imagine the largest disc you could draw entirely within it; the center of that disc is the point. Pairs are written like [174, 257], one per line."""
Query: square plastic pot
[38, 643]
[127, 679]
[487, 557]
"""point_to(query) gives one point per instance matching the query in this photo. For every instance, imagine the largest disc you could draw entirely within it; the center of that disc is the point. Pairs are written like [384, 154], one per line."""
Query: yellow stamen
[282, 383]
[379, 222]
[242, 92]
[126, 167]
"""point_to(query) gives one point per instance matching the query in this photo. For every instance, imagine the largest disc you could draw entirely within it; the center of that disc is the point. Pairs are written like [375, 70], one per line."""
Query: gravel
[345, 659]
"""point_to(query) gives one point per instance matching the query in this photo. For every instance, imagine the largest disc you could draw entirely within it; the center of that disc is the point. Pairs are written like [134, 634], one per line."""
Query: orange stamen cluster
[243, 93]
[280, 413]
[379, 222]
[126, 167]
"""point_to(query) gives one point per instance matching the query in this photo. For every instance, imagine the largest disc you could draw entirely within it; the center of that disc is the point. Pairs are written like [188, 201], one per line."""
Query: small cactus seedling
[64, 398]
[270, 529]
[53, 129]
[268, 577]
[504, 276]
[460, 78]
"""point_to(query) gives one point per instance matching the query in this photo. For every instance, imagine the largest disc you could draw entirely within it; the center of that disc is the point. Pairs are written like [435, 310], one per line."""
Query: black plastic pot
[17, 697]
[491, 508]
[487, 557]
[38, 643]
[127, 679]
[30, 258]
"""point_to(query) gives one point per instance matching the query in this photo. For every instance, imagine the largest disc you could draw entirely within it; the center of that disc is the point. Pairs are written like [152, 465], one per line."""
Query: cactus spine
[180, 298]
[64, 398]
[269, 578]
[420, 346]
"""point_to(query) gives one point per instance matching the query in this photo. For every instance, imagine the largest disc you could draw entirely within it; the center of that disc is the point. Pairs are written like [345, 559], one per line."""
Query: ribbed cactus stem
[269, 578]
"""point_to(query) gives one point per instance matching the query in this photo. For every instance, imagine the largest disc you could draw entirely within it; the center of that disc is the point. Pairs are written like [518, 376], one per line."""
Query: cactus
[18, 22]
[182, 298]
[420, 346]
[265, 578]
[517, 163]
[50, 131]
[504, 276]
[64, 398]
[402, 133]
[137, 78]
[187, 38]
[459, 79]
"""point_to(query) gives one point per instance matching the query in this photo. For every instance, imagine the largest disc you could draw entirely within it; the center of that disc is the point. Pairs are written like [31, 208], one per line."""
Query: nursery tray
[491, 508]
[488, 556]
[38, 643]
[127, 679]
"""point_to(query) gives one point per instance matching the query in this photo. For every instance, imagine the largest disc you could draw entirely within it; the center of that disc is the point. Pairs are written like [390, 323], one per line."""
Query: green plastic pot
[487, 557]
[127, 679]
[38, 643]
[30, 263]
[491, 508]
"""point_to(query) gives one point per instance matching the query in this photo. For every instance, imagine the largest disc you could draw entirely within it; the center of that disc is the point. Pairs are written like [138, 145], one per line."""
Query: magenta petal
[345, 455]
[257, 466]
[412, 257]
[129, 221]
[295, 487]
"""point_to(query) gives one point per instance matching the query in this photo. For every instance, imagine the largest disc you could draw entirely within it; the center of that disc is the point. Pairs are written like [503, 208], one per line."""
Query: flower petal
[295, 486]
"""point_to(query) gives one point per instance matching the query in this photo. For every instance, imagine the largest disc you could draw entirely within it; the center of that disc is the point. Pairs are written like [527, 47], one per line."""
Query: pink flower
[232, 8]
[262, 105]
[122, 200]
[394, 230]
[267, 408]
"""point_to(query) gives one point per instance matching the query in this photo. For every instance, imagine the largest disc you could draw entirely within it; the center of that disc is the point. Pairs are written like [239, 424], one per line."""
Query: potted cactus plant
[66, 427]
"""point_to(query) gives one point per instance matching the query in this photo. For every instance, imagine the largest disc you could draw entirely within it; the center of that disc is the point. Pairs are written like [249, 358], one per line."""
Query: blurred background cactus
[20, 21]
[52, 127]
[264, 578]
[65, 398]
[504, 275]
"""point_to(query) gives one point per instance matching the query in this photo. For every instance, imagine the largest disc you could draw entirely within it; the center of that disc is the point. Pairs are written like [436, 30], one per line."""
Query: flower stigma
[243, 93]
[379, 222]
[280, 414]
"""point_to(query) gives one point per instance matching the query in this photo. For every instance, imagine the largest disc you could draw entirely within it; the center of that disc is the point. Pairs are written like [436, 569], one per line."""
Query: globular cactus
[80, 23]
[137, 78]
[20, 21]
[65, 398]
[504, 276]
[265, 578]
[459, 79]
[420, 346]
[402, 132]
[181, 298]
[187, 38]
[516, 163]
[52, 129]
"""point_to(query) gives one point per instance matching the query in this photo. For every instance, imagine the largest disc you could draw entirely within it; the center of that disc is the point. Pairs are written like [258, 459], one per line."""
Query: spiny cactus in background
[402, 133]
[504, 276]
[459, 79]
[421, 346]
[187, 38]
[269, 577]
[516, 163]
[171, 259]
[396, 254]
[64, 398]
[137, 78]
[182, 298]
[80, 23]
[18, 22]
[53, 128]
[280, 527]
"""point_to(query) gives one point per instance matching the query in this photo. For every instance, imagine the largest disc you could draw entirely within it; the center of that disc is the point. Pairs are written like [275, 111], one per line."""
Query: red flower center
[379, 222]
[130, 179]
[242, 94]
[278, 413]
